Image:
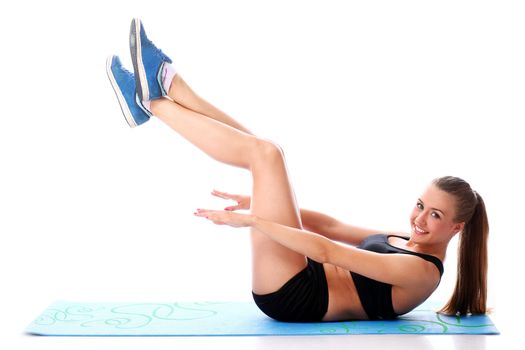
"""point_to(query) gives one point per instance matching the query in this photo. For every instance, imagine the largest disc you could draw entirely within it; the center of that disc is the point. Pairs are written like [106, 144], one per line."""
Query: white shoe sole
[136, 55]
[121, 99]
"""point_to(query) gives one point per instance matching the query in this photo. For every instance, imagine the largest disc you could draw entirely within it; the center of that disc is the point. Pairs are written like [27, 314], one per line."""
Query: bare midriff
[343, 300]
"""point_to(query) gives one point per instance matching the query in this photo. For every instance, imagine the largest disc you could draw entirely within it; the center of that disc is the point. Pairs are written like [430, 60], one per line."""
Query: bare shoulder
[413, 291]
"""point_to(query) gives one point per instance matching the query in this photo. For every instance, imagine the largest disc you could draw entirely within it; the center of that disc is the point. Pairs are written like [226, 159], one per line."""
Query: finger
[220, 194]
[202, 212]
[217, 193]
[232, 208]
[207, 217]
[206, 210]
[226, 195]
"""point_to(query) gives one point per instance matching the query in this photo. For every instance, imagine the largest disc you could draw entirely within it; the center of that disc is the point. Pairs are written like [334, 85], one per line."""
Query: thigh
[273, 199]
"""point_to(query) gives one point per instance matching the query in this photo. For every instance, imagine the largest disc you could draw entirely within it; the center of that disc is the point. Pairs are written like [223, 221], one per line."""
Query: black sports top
[376, 296]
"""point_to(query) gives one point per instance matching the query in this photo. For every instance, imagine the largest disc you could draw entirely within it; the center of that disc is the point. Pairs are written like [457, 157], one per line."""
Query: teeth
[418, 229]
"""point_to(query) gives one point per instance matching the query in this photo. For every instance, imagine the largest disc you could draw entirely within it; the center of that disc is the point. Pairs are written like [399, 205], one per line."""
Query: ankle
[174, 87]
[156, 106]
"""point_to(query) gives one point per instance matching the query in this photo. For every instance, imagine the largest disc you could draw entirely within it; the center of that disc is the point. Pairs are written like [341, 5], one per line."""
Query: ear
[458, 227]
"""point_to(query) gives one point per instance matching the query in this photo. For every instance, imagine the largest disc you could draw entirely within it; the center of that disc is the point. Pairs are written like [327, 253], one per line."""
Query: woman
[301, 270]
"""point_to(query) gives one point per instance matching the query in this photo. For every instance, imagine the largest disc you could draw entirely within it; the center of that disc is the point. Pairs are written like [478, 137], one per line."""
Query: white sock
[168, 73]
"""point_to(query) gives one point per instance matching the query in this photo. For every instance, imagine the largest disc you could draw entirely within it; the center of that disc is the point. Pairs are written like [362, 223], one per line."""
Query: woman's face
[432, 219]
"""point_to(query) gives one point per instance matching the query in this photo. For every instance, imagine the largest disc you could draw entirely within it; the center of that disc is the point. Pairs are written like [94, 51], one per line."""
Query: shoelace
[158, 51]
[127, 72]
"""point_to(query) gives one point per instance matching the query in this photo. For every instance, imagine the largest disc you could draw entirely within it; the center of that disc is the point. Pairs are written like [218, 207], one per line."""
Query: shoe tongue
[155, 48]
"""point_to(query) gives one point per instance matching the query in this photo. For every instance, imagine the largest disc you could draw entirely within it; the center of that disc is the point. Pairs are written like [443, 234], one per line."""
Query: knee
[266, 150]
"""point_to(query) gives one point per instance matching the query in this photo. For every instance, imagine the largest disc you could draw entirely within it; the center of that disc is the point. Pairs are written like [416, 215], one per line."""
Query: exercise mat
[64, 318]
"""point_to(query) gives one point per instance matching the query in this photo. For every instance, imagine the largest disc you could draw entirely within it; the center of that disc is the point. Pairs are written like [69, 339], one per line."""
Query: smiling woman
[449, 206]
[301, 271]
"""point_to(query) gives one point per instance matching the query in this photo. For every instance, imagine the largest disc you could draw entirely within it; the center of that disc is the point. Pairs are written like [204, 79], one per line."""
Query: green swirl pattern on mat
[229, 318]
[413, 324]
[125, 316]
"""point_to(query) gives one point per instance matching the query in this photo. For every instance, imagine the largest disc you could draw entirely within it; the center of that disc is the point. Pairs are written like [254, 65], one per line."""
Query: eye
[435, 215]
[419, 205]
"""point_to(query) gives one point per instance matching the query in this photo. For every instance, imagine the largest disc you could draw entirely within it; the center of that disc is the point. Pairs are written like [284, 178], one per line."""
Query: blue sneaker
[148, 63]
[123, 83]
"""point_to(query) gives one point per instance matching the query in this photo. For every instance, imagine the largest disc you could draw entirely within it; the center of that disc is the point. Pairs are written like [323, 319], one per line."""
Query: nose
[421, 219]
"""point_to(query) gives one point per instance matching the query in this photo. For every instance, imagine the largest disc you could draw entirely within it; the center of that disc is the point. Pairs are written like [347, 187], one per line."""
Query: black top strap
[427, 257]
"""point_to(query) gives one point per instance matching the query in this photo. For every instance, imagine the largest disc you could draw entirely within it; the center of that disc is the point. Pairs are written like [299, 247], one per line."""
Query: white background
[370, 101]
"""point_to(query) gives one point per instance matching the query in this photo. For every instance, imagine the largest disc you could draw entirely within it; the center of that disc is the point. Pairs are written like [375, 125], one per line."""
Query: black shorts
[304, 298]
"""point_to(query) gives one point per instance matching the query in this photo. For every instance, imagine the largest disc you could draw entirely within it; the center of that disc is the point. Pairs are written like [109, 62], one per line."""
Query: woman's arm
[387, 268]
[313, 221]
[333, 228]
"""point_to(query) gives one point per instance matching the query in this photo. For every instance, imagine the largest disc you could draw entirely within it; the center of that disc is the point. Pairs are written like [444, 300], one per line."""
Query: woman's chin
[420, 236]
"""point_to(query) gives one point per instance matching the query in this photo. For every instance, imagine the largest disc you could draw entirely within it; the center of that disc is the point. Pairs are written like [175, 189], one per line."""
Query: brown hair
[470, 292]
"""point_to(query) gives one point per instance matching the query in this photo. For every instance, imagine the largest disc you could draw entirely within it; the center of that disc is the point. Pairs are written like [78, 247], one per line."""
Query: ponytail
[470, 292]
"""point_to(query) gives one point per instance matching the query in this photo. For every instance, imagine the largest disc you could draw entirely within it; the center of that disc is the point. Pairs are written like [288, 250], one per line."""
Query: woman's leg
[272, 197]
[181, 93]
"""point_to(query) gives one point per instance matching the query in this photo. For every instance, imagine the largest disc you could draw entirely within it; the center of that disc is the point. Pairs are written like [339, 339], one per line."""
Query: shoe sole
[120, 97]
[135, 46]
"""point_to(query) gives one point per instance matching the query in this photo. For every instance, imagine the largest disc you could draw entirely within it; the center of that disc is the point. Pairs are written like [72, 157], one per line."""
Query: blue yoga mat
[228, 318]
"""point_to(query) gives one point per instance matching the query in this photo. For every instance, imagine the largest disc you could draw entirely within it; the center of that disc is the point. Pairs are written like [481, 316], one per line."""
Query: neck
[439, 250]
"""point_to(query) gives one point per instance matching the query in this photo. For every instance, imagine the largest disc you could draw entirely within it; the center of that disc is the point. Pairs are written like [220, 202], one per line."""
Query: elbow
[323, 256]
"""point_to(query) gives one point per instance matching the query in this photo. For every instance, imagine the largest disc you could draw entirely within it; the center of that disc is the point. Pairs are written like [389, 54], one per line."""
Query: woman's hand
[220, 217]
[243, 202]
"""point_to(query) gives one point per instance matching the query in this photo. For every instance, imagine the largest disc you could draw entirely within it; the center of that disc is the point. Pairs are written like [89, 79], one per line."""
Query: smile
[419, 230]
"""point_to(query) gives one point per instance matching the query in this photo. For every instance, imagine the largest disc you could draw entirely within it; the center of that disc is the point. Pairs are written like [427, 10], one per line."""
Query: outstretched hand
[243, 202]
[221, 217]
